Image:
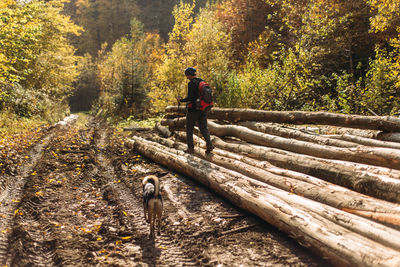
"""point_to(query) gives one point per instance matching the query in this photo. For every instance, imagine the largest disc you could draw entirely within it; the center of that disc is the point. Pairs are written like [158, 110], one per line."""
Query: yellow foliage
[6, 3]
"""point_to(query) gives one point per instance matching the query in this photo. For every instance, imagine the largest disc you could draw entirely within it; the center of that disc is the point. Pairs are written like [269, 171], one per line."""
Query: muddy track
[77, 202]
[158, 251]
[11, 193]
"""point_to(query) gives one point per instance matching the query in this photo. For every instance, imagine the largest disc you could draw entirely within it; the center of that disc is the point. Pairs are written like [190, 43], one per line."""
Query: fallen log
[295, 134]
[365, 141]
[392, 137]
[342, 246]
[137, 129]
[369, 180]
[327, 130]
[164, 131]
[383, 123]
[300, 184]
[385, 157]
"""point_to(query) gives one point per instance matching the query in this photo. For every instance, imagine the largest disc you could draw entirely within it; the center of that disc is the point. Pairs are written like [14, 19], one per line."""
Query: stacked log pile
[336, 194]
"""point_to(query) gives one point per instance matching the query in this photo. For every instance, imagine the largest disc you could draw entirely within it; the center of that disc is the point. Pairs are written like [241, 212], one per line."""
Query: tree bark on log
[385, 157]
[164, 131]
[286, 211]
[179, 124]
[392, 137]
[304, 185]
[365, 141]
[383, 123]
[369, 180]
[296, 134]
[375, 181]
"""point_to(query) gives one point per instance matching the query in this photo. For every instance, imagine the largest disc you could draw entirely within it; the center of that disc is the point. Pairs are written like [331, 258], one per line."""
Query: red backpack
[205, 96]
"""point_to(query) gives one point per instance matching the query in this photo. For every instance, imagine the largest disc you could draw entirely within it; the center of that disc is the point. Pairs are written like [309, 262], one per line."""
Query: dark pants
[201, 118]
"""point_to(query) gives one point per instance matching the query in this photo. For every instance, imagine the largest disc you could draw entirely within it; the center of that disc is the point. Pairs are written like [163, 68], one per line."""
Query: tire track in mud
[34, 236]
[11, 194]
[160, 251]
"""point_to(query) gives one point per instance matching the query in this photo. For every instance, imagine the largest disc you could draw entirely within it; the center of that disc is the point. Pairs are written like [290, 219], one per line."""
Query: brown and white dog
[152, 202]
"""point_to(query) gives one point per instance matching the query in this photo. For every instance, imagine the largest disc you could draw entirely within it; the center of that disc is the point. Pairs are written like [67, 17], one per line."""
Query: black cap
[190, 71]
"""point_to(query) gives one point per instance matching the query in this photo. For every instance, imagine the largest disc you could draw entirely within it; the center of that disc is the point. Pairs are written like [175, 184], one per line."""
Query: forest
[126, 58]
[304, 165]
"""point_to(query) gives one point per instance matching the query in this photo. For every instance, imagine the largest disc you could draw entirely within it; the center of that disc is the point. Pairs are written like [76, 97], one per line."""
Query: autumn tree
[125, 72]
[104, 21]
[245, 20]
[37, 57]
[169, 80]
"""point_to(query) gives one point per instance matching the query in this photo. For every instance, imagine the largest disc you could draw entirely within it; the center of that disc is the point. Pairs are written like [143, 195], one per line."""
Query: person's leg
[191, 118]
[204, 130]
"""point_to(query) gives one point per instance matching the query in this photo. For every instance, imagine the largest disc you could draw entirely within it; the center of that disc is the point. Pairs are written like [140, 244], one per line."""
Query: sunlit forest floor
[71, 194]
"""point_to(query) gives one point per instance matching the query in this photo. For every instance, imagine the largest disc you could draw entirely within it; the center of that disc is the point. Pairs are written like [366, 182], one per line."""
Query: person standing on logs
[196, 111]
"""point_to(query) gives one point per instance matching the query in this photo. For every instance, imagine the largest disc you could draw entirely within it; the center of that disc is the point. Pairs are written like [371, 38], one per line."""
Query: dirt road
[71, 196]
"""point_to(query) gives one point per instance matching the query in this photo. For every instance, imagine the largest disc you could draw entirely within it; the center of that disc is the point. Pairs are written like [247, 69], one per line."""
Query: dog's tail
[155, 182]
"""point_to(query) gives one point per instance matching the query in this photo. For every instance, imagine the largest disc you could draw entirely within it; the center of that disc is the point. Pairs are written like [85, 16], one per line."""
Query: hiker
[195, 113]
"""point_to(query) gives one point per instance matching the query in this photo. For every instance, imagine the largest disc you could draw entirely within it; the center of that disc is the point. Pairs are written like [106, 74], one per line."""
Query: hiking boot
[209, 149]
[190, 151]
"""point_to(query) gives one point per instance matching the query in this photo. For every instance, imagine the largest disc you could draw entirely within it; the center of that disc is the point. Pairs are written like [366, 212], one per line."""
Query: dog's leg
[146, 217]
[159, 226]
[152, 216]
[159, 214]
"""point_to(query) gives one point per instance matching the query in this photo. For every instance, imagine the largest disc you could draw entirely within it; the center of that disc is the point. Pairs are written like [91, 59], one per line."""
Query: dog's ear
[144, 180]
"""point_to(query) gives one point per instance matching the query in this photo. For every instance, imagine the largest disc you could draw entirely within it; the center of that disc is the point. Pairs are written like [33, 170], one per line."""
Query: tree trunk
[319, 231]
[383, 123]
[300, 184]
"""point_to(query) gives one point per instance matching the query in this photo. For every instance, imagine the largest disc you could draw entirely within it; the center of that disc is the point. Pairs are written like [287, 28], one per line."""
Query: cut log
[304, 185]
[383, 123]
[164, 131]
[342, 246]
[328, 130]
[392, 137]
[385, 157]
[137, 129]
[365, 141]
[295, 134]
[369, 180]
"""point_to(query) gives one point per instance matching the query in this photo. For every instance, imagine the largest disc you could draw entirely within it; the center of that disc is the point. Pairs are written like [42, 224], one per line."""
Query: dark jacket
[192, 94]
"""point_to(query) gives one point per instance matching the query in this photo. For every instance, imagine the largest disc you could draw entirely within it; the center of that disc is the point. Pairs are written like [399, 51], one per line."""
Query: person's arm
[191, 97]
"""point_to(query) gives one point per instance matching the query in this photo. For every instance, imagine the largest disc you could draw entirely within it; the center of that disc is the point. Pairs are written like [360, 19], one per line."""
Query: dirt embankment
[73, 198]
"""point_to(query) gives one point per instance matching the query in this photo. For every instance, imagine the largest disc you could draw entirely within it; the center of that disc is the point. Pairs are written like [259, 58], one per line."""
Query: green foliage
[125, 73]
[169, 79]
[284, 85]
[382, 93]
[11, 124]
[209, 49]
[132, 121]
